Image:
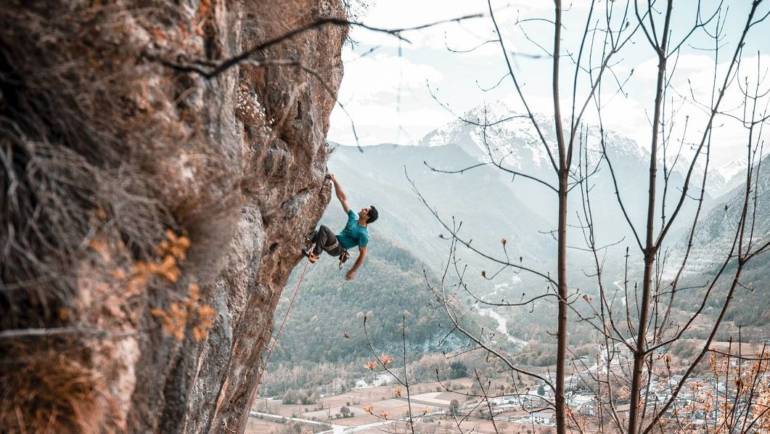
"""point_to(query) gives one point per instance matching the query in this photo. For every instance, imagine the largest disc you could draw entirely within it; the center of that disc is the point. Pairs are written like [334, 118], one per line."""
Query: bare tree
[650, 330]
[635, 337]
[651, 325]
[560, 151]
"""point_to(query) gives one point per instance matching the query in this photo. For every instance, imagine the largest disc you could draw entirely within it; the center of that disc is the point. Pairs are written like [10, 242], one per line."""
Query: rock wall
[151, 215]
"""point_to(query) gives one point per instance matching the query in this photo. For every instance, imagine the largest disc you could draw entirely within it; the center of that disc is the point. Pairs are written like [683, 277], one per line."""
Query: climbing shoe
[311, 257]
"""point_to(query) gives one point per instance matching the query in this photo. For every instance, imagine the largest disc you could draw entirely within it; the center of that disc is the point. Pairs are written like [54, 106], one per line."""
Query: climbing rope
[293, 296]
[286, 315]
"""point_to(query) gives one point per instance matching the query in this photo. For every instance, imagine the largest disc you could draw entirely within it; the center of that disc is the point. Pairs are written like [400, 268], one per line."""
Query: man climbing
[354, 234]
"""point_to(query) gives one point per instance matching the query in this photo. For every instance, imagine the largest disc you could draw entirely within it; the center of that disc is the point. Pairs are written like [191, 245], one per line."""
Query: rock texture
[150, 215]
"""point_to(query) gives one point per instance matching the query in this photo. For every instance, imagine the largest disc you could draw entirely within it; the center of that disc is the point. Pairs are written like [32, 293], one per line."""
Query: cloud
[374, 86]
[379, 78]
[387, 98]
[390, 14]
[384, 124]
[686, 65]
[687, 103]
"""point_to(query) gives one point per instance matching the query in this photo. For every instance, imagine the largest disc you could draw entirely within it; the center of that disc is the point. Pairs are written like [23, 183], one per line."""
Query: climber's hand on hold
[350, 275]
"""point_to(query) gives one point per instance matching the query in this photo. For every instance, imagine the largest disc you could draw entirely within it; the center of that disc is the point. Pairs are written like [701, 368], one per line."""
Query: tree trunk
[650, 247]
[563, 172]
[561, 351]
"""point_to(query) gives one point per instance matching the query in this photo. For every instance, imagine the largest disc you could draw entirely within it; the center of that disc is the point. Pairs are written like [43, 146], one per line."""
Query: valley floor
[385, 409]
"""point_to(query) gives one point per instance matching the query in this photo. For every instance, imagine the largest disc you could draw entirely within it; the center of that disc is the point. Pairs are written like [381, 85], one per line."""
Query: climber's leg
[324, 238]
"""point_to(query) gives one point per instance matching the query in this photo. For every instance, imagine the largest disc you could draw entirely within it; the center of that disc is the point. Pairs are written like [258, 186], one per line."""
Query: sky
[396, 91]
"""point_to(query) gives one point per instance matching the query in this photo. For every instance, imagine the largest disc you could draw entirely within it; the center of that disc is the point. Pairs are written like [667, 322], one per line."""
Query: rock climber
[354, 234]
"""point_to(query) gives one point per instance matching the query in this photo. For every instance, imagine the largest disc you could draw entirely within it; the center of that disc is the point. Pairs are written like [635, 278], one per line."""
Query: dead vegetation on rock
[149, 217]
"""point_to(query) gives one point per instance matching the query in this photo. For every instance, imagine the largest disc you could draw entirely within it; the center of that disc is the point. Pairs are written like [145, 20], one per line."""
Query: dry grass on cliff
[54, 393]
[53, 202]
[68, 172]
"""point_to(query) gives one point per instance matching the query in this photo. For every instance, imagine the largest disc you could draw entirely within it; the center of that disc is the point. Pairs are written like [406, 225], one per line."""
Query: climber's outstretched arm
[340, 194]
[360, 260]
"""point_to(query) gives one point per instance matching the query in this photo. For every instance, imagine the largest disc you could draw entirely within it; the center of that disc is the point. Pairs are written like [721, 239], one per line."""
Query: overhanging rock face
[151, 215]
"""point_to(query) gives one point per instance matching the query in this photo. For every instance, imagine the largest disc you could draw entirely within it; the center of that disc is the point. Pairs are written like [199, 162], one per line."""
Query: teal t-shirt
[353, 234]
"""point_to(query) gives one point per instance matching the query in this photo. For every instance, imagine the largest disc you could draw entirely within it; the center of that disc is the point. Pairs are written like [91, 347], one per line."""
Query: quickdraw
[343, 257]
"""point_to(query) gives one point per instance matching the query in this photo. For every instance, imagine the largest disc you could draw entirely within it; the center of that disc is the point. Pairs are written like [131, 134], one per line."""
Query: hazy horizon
[386, 84]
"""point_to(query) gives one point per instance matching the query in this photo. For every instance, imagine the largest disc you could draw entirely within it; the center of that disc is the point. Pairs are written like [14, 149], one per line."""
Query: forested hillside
[326, 320]
[716, 237]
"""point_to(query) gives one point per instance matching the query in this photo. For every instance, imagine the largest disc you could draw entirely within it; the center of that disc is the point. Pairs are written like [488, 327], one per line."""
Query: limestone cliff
[150, 215]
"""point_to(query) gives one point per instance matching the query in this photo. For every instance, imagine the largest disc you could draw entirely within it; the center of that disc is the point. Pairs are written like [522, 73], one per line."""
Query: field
[385, 409]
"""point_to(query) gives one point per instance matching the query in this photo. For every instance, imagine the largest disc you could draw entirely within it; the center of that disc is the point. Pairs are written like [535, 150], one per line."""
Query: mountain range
[489, 205]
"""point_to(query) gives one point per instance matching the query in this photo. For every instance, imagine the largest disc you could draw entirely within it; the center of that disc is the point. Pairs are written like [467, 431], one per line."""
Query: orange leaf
[183, 242]
[386, 359]
[158, 312]
[194, 291]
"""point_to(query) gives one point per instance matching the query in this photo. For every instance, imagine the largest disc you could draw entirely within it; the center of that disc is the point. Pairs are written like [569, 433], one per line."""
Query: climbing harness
[286, 315]
[329, 248]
